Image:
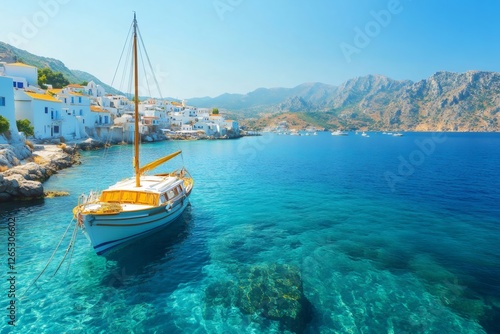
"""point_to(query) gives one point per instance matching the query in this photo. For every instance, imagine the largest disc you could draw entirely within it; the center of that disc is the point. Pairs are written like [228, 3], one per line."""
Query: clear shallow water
[388, 235]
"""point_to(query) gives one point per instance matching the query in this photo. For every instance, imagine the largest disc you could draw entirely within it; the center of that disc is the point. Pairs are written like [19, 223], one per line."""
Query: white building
[94, 90]
[7, 106]
[44, 112]
[23, 75]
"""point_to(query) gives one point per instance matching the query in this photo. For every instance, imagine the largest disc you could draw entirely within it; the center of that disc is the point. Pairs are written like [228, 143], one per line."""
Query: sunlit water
[388, 234]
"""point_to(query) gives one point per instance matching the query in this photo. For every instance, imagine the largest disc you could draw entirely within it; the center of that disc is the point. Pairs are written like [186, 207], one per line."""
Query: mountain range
[446, 101]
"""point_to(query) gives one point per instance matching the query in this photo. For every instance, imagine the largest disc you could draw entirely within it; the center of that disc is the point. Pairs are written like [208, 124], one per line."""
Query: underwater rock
[55, 193]
[271, 291]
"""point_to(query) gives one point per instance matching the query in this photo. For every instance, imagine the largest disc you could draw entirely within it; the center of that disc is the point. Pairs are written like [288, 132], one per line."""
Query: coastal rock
[15, 186]
[25, 181]
[11, 155]
[271, 291]
[30, 189]
[8, 157]
[31, 171]
[90, 145]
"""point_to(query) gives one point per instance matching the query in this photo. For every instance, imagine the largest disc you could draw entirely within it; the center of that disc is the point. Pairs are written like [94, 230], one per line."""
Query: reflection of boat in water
[339, 133]
[138, 205]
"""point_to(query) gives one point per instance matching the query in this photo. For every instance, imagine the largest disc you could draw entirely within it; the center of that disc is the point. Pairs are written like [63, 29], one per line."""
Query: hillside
[9, 53]
[444, 102]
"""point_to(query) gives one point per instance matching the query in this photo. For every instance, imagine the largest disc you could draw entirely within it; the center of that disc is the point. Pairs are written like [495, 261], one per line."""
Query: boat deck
[150, 183]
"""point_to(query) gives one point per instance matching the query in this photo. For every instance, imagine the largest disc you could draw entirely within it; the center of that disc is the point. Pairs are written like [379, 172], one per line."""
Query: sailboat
[138, 205]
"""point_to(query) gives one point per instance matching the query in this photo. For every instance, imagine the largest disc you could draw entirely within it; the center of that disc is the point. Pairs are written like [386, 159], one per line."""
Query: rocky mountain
[446, 101]
[9, 53]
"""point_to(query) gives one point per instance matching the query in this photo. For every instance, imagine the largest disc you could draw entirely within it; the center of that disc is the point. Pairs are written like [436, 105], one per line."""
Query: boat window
[176, 192]
[163, 198]
[171, 194]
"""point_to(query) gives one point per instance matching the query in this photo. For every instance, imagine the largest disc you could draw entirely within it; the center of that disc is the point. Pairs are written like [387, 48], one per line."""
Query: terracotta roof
[44, 97]
[55, 91]
[20, 64]
[97, 109]
[75, 86]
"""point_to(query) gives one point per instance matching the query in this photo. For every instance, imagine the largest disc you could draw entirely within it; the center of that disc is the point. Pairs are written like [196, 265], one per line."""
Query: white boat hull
[107, 232]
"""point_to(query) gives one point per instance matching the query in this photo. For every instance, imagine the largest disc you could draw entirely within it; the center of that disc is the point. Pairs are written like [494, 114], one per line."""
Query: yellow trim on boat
[131, 197]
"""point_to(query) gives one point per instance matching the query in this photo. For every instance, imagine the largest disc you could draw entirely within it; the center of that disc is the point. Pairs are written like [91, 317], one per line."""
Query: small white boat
[364, 134]
[339, 133]
[398, 135]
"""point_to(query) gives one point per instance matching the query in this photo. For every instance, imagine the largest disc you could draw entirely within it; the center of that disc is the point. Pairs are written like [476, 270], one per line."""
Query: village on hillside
[76, 112]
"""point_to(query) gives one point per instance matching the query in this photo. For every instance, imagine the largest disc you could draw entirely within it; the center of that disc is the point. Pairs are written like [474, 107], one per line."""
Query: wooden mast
[136, 103]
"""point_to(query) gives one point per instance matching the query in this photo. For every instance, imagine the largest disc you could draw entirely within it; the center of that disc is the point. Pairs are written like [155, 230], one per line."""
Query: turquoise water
[385, 234]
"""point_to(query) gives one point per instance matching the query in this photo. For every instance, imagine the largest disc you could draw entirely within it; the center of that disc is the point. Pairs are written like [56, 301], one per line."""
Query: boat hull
[108, 232]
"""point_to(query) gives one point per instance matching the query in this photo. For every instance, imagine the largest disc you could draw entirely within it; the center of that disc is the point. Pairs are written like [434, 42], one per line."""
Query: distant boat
[364, 134]
[315, 133]
[398, 135]
[138, 205]
[339, 133]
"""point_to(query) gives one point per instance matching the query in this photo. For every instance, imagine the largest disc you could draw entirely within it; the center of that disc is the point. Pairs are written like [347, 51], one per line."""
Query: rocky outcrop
[15, 186]
[90, 145]
[23, 180]
[12, 155]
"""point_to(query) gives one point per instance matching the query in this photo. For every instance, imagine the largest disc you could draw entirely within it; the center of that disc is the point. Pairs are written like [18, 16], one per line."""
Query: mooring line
[51, 257]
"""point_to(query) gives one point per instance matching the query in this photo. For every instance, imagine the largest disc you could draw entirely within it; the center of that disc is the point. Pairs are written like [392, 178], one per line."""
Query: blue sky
[209, 47]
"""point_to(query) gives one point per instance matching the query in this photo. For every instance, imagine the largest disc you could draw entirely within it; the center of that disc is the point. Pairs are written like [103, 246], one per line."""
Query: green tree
[4, 124]
[215, 111]
[24, 125]
[47, 76]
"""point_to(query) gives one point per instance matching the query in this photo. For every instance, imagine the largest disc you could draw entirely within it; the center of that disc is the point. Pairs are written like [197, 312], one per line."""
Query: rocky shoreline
[24, 166]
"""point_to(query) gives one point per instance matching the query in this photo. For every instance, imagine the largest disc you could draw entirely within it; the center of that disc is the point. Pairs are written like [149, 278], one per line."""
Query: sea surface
[305, 234]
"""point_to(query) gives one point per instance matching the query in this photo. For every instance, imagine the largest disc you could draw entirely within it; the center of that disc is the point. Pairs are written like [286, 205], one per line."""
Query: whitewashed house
[210, 128]
[44, 112]
[94, 90]
[7, 106]
[23, 75]
[233, 126]
[100, 117]
[120, 105]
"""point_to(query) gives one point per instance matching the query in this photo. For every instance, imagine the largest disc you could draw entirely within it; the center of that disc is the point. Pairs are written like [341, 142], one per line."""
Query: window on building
[56, 129]
[81, 112]
[20, 85]
[14, 84]
[46, 110]
[72, 99]
[79, 99]
[2, 101]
